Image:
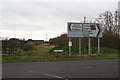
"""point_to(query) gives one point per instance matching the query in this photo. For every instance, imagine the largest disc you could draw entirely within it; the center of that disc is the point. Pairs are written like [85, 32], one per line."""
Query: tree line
[110, 39]
[16, 46]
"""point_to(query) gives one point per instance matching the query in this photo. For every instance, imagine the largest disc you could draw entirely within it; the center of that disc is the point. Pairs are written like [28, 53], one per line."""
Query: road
[62, 69]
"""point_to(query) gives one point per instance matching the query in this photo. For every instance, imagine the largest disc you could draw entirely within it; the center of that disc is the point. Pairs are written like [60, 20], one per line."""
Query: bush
[28, 47]
[30, 52]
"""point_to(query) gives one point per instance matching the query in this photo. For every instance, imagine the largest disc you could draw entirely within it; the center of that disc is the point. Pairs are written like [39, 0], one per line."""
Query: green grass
[106, 53]
[32, 58]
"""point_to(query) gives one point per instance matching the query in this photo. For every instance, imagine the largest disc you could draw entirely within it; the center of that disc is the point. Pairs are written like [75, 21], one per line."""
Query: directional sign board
[84, 30]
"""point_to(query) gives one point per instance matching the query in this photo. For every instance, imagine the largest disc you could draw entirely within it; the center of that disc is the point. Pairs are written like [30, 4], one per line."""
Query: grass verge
[106, 53]
[60, 57]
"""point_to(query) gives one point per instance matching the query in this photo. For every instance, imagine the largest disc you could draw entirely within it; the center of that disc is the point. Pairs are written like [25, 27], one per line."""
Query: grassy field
[106, 53]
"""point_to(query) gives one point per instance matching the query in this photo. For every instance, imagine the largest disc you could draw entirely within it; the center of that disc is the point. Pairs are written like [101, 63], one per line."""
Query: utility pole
[46, 36]
[84, 20]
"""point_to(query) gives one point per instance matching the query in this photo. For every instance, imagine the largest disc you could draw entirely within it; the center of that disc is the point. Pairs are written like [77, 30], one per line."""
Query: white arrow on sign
[76, 27]
[98, 30]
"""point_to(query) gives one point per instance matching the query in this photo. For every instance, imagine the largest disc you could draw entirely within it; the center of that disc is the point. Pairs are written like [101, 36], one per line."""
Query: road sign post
[98, 46]
[69, 44]
[89, 46]
[79, 46]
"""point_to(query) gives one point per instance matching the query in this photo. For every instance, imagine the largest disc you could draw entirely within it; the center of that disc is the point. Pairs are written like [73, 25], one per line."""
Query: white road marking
[55, 76]
[51, 75]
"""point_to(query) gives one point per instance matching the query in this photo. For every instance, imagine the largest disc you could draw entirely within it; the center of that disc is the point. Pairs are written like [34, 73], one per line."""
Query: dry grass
[42, 49]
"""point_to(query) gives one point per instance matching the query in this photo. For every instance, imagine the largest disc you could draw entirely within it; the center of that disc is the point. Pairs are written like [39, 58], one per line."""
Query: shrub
[28, 47]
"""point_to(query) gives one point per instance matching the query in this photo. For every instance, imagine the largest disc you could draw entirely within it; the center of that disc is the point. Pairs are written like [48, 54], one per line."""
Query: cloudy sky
[34, 19]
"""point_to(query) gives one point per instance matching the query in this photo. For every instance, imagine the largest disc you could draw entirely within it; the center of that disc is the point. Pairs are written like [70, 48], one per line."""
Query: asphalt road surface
[62, 69]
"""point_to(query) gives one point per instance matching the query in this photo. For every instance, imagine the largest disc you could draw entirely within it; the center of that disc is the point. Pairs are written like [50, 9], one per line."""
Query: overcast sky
[35, 19]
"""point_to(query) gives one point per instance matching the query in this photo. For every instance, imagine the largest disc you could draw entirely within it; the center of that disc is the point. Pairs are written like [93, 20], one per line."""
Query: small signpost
[69, 44]
[88, 30]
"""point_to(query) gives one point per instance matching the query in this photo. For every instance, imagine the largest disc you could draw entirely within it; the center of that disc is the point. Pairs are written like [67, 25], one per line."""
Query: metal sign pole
[79, 46]
[69, 47]
[98, 46]
[89, 46]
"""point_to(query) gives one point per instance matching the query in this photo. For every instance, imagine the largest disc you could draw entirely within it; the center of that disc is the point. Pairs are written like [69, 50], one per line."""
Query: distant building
[14, 40]
[30, 41]
[36, 42]
[39, 41]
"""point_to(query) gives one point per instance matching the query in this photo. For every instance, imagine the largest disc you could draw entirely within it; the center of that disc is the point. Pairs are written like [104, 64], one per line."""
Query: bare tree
[109, 21]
